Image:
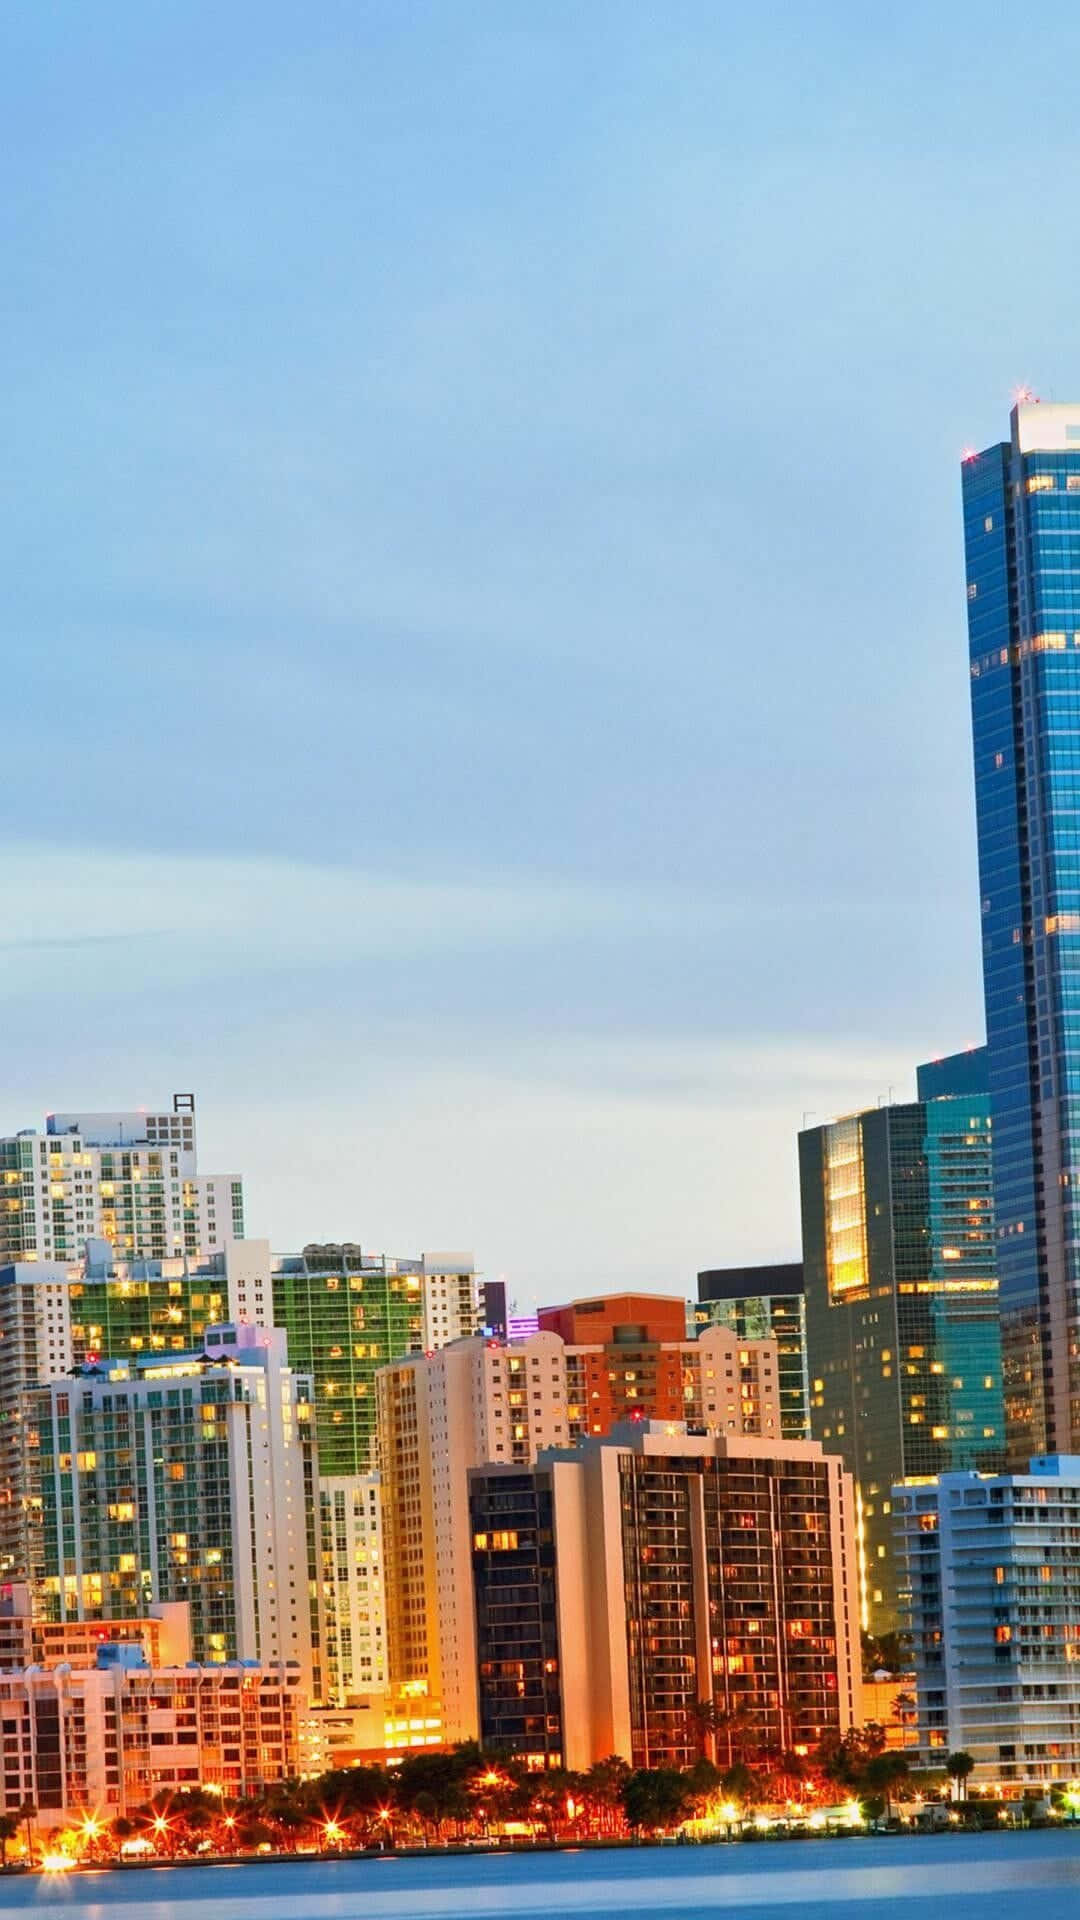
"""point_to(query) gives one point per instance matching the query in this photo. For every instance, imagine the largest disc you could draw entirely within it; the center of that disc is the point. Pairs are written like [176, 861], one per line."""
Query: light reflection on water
[964, 1876]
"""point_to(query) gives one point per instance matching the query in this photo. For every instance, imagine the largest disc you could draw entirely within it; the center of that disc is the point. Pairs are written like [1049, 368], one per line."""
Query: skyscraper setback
[1022, 542]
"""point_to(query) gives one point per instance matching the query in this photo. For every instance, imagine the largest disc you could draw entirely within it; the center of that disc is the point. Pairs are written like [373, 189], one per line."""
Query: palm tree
[603, 1789]
[704, 1720]
[9, 1827]
[905, 1713]
[736, 1727]
[958, 1766]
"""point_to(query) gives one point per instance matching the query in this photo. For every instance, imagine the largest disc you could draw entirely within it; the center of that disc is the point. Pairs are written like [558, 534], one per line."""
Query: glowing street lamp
[333, 1834]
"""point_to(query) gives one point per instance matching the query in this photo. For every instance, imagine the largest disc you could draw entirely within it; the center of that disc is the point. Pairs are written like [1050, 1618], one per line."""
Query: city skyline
[478, 657]
[540, 1120]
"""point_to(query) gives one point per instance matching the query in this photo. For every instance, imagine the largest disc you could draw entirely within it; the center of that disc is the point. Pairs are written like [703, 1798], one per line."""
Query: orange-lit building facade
[620, 1584]
[479, 1401]
[628, 1357]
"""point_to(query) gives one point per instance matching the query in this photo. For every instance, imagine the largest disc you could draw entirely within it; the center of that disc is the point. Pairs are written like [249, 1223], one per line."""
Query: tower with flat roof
[902, 1335]
[764, 1303]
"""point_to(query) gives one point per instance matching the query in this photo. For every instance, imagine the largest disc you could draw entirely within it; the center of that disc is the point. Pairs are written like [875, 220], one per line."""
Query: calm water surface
[961, 1876]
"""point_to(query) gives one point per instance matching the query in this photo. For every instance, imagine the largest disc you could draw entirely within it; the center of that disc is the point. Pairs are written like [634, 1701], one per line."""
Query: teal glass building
[902, 1331]
[764, 1303]
[1022, 545]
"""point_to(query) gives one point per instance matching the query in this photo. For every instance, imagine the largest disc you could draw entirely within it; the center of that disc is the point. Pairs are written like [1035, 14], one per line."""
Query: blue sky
[485, 691]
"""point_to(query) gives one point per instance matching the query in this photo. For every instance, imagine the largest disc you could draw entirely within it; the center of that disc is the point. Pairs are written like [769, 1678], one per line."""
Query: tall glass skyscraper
[902, 1336]
[1022, 542]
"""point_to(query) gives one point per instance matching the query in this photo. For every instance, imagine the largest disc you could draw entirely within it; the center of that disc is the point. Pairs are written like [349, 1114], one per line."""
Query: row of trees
[438, 1797]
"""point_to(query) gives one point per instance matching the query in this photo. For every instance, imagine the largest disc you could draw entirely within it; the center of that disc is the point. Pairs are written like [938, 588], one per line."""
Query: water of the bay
[960, 1876]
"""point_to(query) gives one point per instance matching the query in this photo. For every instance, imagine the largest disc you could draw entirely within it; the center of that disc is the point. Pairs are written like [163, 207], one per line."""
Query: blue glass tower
[1022, 541]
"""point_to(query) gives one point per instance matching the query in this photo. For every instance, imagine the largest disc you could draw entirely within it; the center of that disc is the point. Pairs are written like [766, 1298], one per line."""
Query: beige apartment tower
[618, 1586]
[483, 1401]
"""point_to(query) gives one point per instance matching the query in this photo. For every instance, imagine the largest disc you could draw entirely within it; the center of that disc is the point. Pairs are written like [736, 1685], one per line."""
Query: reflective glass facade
[903, 1338]
[517, 1637]
[764, 1303]
[343, 1323]
[1022, 544]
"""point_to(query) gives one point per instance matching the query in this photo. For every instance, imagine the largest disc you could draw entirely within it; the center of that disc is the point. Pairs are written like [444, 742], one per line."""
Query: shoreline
[457, 1850]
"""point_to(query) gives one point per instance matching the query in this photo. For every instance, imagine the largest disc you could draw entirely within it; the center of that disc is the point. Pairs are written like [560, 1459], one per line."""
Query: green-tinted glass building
[346, 1314]
[182, 1478]
[764, 1303]
[902, 1331]
[144, 1307]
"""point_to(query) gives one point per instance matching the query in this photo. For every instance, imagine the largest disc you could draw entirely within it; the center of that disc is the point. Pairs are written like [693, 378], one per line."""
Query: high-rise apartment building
[618, 1586]
[54, 1316]
[764, 1303]
[353, 1594]
[347, 1313]
[628, 1357]
[129, 1178]
[1022, 544]
[991, 1576]
[185, 1477]
[903, 1342]
[485, 1400]
[440, 1414]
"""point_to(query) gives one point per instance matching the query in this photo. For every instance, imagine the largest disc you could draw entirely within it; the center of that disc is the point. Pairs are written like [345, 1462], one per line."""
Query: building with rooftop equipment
[129, 1178]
